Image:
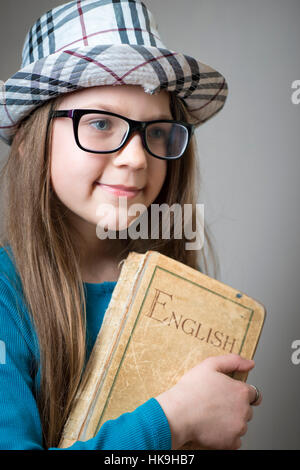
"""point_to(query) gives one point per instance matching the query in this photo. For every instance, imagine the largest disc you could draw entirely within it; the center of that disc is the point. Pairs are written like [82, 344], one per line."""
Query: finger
[231, 363]
[255, 396]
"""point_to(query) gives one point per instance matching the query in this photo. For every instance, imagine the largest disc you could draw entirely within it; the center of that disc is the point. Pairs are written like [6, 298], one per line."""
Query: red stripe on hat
[84, 36]
[148, 62]
[9, 117]
[89, 59]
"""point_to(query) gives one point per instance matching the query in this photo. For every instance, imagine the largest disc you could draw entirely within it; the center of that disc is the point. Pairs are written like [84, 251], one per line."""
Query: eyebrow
[115, 109]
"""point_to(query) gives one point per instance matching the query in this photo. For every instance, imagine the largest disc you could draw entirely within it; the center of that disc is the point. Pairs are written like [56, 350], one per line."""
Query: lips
[120, 190]
[125, 188]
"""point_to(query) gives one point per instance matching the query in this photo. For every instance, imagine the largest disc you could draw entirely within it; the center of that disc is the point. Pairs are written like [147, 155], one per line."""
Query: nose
[133, 153]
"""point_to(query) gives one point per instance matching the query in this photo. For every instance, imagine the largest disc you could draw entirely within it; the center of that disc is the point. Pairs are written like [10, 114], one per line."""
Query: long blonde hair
[44, 253]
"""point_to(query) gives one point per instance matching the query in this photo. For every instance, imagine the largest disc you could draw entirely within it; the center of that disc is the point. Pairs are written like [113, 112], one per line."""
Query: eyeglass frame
[140, 126]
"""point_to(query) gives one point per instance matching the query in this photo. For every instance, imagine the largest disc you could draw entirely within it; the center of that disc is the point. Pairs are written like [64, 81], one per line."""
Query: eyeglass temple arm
[62, 113]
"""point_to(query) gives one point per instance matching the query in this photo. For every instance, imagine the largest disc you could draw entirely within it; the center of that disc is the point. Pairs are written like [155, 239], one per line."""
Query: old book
[163, 318]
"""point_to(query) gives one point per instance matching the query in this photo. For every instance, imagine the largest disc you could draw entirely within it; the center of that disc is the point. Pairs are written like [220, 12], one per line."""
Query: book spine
[79, 424]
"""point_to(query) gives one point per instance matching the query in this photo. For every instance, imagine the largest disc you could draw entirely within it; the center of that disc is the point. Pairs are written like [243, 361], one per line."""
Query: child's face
[75, 173]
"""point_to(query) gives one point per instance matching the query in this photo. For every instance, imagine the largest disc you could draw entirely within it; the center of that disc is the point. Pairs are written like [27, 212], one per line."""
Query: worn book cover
[163, 318]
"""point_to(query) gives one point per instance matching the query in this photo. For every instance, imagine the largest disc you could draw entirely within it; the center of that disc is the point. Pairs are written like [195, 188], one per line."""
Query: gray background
[250, 167]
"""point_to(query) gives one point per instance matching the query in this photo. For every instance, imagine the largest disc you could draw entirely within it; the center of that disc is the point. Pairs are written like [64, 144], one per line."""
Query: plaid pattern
[104, 42]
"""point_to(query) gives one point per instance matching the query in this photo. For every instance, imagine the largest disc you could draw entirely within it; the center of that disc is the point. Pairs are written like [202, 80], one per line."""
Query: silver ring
[257, 395]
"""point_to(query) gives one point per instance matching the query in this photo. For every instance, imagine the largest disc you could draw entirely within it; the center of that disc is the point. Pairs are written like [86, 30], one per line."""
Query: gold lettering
[228, 342]
[189, 326]
[196, 335]
[191, 331]
[155, 302]
[174, 316]
[210, 330]
[204, 338]
[218, 339]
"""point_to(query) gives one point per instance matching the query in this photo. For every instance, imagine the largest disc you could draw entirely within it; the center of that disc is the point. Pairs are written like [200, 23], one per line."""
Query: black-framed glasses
[98, 131]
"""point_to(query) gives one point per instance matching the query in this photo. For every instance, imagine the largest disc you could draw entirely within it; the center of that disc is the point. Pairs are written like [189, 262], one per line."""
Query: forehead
[127, 97]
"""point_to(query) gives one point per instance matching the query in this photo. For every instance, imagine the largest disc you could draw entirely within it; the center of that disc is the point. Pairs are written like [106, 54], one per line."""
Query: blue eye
[101, 125]
[157, 133]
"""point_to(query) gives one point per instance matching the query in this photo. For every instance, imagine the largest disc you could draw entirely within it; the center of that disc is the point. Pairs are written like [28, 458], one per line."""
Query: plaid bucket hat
[89, 43]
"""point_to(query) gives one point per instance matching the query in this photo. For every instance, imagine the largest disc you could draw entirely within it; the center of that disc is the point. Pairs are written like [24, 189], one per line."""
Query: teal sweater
[20, 427]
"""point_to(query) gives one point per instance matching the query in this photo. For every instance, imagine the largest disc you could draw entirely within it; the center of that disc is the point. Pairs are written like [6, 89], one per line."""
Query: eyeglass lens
[104, 133]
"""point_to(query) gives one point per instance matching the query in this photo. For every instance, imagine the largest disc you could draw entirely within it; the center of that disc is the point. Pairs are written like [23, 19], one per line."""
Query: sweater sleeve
[145, 428]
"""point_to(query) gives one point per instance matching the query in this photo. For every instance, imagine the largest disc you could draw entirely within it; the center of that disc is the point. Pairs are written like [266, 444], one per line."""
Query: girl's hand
[208, 407]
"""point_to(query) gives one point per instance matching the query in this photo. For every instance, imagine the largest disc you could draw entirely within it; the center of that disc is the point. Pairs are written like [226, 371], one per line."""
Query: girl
[78, 117]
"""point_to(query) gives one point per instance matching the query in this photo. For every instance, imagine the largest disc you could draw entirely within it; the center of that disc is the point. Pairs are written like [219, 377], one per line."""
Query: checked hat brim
[202, 89]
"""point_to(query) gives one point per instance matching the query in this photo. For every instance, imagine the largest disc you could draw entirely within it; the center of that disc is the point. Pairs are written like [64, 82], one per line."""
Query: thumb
[232, 363]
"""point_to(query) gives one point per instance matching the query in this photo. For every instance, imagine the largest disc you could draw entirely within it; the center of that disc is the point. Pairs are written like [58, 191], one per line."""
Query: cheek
[62, 149]
[72, 170]
[157, 176]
